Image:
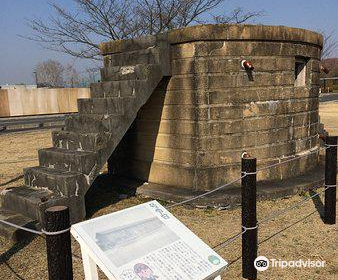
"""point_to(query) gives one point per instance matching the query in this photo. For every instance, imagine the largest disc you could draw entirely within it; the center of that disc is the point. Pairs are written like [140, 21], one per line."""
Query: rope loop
[249, 228]
[330, 186]
[34, 231]
[249, 173]
[55, 232]
[330, 145]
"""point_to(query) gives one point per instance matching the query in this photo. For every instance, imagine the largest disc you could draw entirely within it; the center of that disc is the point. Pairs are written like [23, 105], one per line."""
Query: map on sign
[146, 242]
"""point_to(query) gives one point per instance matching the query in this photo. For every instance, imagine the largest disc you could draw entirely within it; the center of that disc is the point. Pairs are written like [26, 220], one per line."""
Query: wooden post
[249, 219]
[59, 252]
[330, 180]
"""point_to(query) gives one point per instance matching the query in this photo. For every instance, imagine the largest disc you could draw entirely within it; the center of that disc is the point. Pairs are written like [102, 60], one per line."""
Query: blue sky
[18, 56]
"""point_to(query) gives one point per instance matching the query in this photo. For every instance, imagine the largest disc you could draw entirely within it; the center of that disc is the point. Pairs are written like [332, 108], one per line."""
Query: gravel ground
[308, 239]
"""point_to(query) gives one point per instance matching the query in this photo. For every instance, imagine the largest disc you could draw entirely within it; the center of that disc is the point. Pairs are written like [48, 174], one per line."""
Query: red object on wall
[247, 65]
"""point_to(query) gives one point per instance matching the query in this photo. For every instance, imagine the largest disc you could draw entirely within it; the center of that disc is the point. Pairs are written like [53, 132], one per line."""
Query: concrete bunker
[178, 109]
[189, 136]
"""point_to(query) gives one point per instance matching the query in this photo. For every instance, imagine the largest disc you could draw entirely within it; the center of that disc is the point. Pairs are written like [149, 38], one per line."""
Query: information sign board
[145, 242]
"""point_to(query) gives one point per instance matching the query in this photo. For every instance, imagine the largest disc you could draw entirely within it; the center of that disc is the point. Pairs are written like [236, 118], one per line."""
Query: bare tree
[238, 16]
[79, 33]
[71, 75]
[49, 73]
[92, 74]
[329, 44]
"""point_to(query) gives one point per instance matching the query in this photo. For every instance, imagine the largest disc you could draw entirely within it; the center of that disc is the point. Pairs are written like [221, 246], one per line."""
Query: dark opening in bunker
[300, 71]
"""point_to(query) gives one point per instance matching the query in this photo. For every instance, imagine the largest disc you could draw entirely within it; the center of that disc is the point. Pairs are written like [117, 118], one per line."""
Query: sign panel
[146, 242]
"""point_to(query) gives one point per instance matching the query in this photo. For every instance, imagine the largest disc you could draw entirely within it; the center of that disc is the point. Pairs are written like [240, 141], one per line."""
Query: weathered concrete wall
[196, 125]
[23, 102]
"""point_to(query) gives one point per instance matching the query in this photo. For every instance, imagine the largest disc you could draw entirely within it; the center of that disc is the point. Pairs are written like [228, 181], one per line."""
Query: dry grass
[18, 151]
[309, 239]
[329, 116]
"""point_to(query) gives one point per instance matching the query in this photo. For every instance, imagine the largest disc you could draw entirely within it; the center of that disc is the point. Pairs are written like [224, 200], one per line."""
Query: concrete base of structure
[231, 196]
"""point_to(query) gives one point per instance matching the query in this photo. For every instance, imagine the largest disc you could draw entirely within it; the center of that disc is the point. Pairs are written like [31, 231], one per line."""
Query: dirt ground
[18, 151]
[329, 116]
[308, 239]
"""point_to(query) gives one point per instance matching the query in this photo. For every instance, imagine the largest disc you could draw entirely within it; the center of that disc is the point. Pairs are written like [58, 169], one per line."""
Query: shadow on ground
[107, 190]
[16, 247]
[318, 204]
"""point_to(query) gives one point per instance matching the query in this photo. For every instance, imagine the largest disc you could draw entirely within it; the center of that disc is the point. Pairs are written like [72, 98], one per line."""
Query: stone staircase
[67, 170]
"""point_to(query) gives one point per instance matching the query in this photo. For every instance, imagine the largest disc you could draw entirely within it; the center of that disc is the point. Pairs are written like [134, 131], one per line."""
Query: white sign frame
[93, 255]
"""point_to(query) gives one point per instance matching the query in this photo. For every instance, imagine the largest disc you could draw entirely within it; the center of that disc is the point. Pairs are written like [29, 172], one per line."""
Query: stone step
[11, 233]
[32, 202]
[60, 182]
[135, 72]
[79, 141]
[67, 160]
[26, 200]
[127, 88]
[93, 123]
[143, 56]
[110, 106]
[104, 106]
[102, 90]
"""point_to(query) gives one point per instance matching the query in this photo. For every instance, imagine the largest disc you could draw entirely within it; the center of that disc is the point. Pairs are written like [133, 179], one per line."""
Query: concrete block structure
[177, 110]
[190, 134]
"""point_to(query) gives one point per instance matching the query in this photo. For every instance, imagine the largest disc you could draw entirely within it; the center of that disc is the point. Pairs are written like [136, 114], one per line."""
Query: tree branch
[79, 33]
